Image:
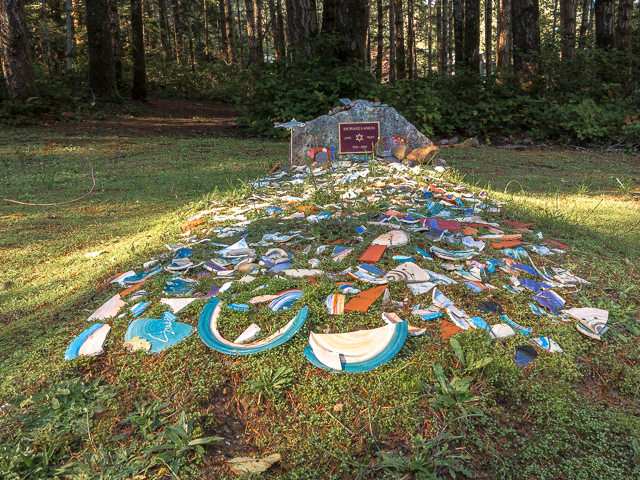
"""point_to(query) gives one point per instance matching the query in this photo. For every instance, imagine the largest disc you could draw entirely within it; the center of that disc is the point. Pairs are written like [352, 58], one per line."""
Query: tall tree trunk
[488, 17]
[114, 20]
[257, 6]
[367, 57]
[380, 51]
[584, 24]
[504, 41]
[102, 75]
[439, 46]
[450, 38]
[392, 41]
[401, 59]
[280, 46]
[555, 22]
[411, 41]
[240, 42]
[231, 41]
[605, 20]
[164, 30]
[444, 34]
[139, 91]
[17, 68]
[69, 19]
[328, 16]
[302, 23]
[429, 41]
[192, 61]
[351, 26]
[568, 12]
[47, 39]
[252, 36]
[472, 34]
[177, 30]
[623, 26]
[526, 36]
[207, 49]
[224, 37]
[275, 30]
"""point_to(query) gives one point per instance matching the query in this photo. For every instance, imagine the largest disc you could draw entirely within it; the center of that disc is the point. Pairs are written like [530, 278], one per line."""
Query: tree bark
[568, 12]
[367, 56]
[450, 38]
[526, 36]
[504, 40]
[17, 68]
[439, 46]
[139, 91]
[224, 37]
[444, 34]
[102, 76]
[276, 31]
[605, 18]
[328, 16]
[69, 19]
[252, 37]
[114, 21]
[472, 34]
[380, 51]
[401, 70]
[47, 39]
[623, 25]
[177, 30]
[555, 22]
[302, 23]
[207, 48]
[392, 41]
[429, 41]
[231, 41]
[164, 30]
[351, 26]
[187, 6]
[281, 45]
[411, 41]
[488, 17]
[257, 7]
[584, 24]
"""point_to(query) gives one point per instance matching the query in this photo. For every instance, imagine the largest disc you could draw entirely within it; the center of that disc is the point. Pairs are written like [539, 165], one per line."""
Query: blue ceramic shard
[526, 331]
[239, 307]
[515, 253]
[88, 343]
[139, 309]
[525, 355]
[473, 287]
[549, 299]
[348, 288]
[182, 253]
[386, 354]
[133, 279]
[177, 285]
[525, 268]
[161, 333]
[285, 300]
[402, 258]
[372, 270]
[548, 344]
[273, 210]
[479, 322]
[280, 267]
[208, 331]
[424, 254]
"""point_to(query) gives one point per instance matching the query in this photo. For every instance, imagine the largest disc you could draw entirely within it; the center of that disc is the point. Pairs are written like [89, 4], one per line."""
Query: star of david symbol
[359, 137]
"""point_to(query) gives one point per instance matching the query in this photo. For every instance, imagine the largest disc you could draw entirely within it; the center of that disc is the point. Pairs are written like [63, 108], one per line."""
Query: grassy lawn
[565, 416]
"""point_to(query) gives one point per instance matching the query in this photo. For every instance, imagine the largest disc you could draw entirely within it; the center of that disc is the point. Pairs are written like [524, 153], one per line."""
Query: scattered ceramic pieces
[89, 343]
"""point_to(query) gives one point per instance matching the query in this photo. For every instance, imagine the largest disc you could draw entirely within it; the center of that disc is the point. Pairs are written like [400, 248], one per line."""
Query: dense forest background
[550, 69]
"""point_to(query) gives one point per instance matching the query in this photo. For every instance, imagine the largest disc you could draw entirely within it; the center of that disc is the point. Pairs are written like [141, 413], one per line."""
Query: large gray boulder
[323, 131]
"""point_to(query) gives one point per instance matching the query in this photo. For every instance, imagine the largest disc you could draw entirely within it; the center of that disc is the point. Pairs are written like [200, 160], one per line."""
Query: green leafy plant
[146, 417]
[179, 442]
[270, 382]
[428, 460]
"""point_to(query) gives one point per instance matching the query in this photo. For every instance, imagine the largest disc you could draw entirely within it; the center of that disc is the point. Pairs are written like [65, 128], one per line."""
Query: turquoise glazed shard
[89, 343]
[208, 331]
[161, 333]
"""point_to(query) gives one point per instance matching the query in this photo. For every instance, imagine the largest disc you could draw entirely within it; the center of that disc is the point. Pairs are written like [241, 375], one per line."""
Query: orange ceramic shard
[506, 244]
[193, 223]
[448, 329]
[308, 209]
[362, 301]
[558, 244]
[518, 225]
[469, 231]
[373, 253]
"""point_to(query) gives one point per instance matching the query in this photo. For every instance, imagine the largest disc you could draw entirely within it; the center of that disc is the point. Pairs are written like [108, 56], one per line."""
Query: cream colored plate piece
[392, 238]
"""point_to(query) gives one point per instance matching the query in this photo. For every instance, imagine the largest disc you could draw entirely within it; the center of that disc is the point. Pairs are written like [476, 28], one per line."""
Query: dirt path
[164, 117]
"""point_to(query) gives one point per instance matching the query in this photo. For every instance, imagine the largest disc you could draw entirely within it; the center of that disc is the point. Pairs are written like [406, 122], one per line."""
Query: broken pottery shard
[448, 329]
[120, 278]
[595, 319]
[335, 303]
[109, 309]
[209, 334]
[392, 318]
[324, 130]
[358, 351]
[373, 253]
[177, 304]
[248, 335]
[177, 285]
[502, 330]
[452, 255]
[137, 343]
[301, 272]
[525, 355]
[362, 301]
[142, 276]
[440, 224]
[89, 343]
[285, 300]
[506, 244]
[161, 333]
[408, 272]
[421, 288]
[247, 465]
[263, 299]
[548, 344]
[392, 238]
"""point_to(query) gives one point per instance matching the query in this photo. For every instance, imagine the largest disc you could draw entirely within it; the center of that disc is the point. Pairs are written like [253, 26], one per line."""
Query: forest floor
[566, 416]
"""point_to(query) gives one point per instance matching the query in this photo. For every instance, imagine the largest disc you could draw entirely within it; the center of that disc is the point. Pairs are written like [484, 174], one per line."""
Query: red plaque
[358, 137]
